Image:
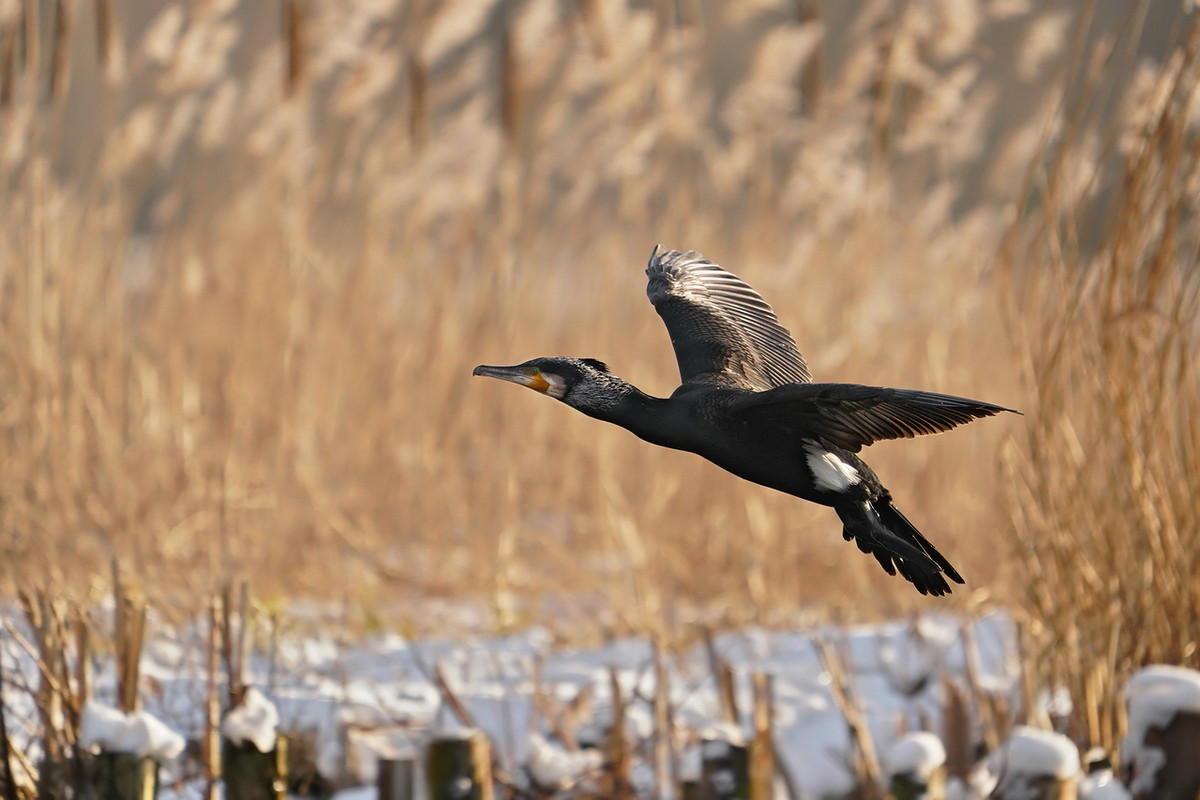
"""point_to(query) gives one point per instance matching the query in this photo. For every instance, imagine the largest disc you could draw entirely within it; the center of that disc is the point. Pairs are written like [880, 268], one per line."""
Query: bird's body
[706, 421]
[748, 405]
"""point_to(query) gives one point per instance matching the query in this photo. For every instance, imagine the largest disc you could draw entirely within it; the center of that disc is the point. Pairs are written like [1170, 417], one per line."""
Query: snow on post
[1035, 765]
[458, 766]
[916, 766]
[554, 769]
[138, 734]
[253, 721]
[1102, 785]
[131, 747]
[725, 763]
[1158, 754]
[254, 754]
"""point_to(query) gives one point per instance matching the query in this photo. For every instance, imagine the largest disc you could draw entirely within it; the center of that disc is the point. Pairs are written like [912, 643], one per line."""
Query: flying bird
[747, 403]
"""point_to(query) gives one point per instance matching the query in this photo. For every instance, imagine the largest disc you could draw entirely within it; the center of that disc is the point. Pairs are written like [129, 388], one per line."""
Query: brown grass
[1103, 479]
[247, 269]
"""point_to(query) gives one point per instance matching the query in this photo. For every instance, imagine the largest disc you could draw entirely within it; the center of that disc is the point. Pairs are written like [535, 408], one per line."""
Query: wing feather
[722, 330]
[851, 416]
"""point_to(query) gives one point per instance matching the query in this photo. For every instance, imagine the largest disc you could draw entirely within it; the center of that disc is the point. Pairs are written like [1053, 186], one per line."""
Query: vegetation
[252, 251]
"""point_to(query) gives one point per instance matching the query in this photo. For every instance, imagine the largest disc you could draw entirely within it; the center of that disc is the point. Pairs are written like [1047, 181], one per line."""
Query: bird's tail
[880, 529]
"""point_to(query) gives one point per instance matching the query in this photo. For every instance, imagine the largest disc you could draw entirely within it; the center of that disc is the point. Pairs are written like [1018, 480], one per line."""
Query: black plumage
[746, 402]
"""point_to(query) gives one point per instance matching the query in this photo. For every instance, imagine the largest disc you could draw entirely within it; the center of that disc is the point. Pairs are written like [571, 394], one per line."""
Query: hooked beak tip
[503, 373]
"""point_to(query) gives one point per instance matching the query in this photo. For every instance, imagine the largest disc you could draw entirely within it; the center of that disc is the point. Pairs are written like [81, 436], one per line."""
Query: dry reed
[236, 329]
[1109, 294]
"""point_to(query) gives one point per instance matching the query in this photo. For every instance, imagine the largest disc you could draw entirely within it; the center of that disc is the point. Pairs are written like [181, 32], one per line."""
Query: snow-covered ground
[378, 697]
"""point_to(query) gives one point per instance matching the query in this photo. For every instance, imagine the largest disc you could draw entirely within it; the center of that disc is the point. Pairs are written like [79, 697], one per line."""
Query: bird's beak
[514, 375]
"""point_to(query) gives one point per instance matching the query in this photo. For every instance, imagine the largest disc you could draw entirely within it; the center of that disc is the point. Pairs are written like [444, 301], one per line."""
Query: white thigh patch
[829, 472]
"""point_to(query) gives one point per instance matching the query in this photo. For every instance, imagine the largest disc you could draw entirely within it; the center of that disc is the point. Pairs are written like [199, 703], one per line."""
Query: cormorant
[747, 403]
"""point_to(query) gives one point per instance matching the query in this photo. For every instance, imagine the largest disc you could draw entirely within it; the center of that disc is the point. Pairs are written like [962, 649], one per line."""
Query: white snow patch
[917, 754]
[450, 732]
[908, 659]
[139, 734]
[1034, 752]
[980, 783]
[555, 767]
[1103, 785]
[1056, 702]
[255, 721]
[366, 748]
[691, 763]
[1155, 695]
[1028, 754]
[357, 793]
[717, 737]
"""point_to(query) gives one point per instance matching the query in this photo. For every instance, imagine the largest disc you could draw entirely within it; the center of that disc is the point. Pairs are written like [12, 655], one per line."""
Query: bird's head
[566, 379]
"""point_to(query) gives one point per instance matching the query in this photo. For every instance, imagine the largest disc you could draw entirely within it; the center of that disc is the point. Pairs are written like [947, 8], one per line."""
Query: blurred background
[250, 253]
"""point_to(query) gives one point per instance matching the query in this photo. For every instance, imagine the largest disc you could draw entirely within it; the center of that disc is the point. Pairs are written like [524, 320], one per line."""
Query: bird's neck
[622, 403]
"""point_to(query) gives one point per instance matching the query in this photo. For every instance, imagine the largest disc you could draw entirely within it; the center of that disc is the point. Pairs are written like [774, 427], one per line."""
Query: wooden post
[662, 726]
[867, 763]
[911, 787]
[397, 779]
[724, 768]
[1045, 769]
[48, 641]
[1178, 778]
[723, 675]
[987, 718]
[253, 775]
[762, 748]
[961, 752]
[123, 776]
[616, 747]
[917, 767]
[211, 744]
[459, 767]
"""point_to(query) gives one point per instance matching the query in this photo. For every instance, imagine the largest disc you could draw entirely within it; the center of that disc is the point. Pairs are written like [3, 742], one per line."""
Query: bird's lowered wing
[851, 416]
[723, 332]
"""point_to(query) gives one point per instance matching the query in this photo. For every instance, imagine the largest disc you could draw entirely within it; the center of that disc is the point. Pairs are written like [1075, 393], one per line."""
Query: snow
[717, 737]
[1028, 754]
[1154, 695]
[1034, 752]
[1102, 785]
[360, 700]
[916, 754]
[366, 748]
[140, 734]
[357, 793]
[255, 721]
[555, 767]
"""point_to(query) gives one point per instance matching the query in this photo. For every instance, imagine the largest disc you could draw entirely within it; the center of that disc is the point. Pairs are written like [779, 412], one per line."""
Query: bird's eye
[534, 371]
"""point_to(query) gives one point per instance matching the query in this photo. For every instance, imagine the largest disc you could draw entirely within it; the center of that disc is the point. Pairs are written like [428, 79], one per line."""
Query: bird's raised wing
[851, 416]
[723, 332]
